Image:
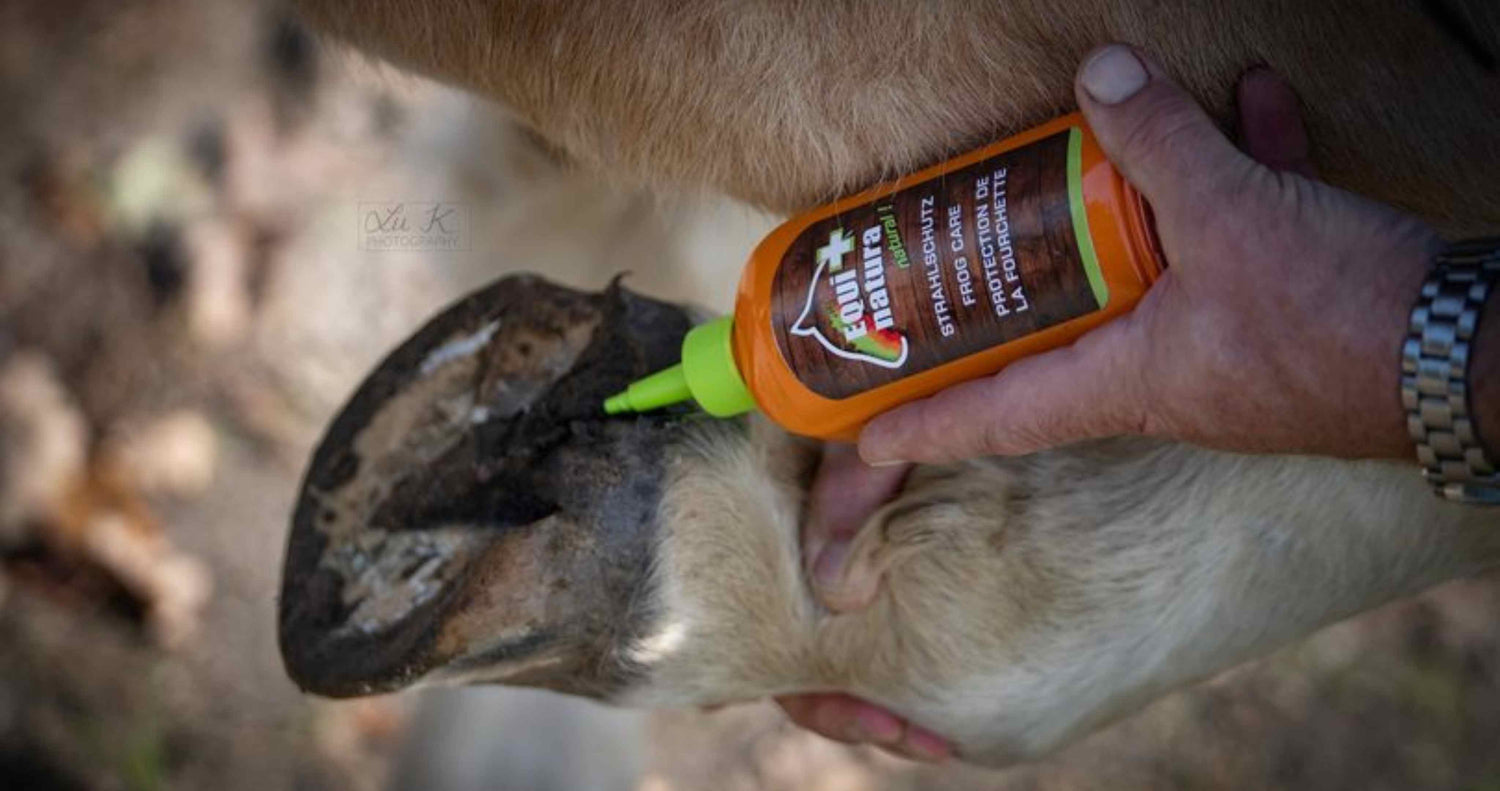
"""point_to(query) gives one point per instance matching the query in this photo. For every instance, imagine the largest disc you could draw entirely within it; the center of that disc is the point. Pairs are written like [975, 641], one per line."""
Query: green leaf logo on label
[856, 311]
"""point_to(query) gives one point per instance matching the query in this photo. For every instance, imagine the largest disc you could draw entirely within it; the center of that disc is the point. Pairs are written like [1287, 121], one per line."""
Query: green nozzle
[708, 375]
[663, 388]
[618, 404]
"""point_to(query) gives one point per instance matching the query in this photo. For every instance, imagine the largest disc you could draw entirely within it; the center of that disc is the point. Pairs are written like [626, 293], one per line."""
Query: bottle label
[939, 270]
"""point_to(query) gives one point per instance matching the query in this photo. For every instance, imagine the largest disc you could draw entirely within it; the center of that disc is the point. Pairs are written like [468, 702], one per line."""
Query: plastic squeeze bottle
[909, 287]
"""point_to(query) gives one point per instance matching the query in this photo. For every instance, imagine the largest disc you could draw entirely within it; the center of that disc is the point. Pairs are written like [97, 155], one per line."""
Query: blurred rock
[50, 495]
[42, 443]
[174, 454]
[173, 586]
[218, 296]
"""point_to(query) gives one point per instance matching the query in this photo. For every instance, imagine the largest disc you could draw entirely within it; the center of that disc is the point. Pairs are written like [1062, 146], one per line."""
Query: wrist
[1410, 262]
[1353, 342]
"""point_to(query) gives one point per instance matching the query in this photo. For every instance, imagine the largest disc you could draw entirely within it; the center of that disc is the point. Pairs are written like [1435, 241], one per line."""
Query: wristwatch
[1435, 372]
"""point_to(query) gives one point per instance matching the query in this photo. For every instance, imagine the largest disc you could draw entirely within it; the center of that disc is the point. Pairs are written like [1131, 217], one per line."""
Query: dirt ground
[186, 296]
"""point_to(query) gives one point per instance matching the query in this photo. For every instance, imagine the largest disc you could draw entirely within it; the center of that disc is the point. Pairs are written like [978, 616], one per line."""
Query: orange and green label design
[939, 270]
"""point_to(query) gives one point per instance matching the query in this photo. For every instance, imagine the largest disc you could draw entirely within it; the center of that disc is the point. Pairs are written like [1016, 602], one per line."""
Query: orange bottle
[911, 286]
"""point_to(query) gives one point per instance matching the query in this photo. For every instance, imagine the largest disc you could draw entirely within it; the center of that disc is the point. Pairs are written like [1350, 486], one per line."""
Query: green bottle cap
[708, 375]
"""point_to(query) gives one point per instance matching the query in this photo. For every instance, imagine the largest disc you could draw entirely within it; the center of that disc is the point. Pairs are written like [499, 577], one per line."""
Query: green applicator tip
[663, 388]
[707, 375]
[617, 404]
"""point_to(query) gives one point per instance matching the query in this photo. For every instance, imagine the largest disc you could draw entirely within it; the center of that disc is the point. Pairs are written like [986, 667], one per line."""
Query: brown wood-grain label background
[1027, 186]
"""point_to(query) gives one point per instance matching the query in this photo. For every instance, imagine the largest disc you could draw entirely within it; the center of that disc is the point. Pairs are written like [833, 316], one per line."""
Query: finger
[1271, 123]
[844, 718]
[799, 709]
[1154, 132]
[845, 492]
[847, 719]
[918, 744]
[1087, 390]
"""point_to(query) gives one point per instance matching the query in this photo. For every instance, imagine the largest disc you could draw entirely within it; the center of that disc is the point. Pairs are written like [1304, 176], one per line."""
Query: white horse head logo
[806, 324]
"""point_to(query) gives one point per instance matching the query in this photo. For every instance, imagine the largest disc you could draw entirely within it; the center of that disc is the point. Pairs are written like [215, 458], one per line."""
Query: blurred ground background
[184, 303]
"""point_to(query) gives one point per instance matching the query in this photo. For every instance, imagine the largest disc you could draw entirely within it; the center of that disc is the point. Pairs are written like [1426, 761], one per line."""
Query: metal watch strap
[1435, 372]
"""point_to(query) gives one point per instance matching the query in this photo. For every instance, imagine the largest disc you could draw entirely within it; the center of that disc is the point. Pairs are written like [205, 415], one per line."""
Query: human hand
[845, 492]
[1257, 247]
[1276, 328]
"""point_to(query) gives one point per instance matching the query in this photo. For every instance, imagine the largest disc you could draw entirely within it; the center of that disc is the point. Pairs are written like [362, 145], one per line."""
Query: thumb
[1154, 132]
[845, 493]
[1087, 390]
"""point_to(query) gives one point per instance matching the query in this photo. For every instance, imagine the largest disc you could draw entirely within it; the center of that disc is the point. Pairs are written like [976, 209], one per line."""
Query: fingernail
[876, 726]
[828, 569]
[875, 439]
[874, 458]
[1113, 75]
